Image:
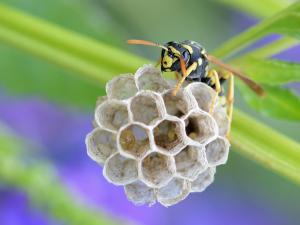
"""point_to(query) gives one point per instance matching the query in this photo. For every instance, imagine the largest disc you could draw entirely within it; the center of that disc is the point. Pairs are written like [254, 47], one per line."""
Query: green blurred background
[51, 109]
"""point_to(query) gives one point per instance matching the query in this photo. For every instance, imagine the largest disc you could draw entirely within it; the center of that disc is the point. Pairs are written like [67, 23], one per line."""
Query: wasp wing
[250, 83]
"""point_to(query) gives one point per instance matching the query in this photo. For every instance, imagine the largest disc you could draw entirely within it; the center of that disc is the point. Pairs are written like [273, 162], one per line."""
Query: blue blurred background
[33, 105]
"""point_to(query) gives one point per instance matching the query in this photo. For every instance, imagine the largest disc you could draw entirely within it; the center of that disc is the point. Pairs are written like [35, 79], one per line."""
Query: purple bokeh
[62, 133]
[15, 209]
[245, 21]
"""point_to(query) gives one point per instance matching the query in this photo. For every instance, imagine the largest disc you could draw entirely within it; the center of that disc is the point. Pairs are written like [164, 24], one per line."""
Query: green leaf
[279, 102]
[285, 22]
[270, 71]
[37, 178]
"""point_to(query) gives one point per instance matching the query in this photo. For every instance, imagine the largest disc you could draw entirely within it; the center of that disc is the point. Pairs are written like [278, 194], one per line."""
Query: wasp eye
[185, 55]
[170, 54]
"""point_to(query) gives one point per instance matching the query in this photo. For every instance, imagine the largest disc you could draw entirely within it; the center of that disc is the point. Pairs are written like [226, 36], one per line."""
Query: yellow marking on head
[167, 61]
[174, 50]
[203, 52]
[189, 48]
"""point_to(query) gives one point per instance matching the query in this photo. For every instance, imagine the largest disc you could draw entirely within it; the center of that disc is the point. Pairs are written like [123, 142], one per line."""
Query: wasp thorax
[158, 146]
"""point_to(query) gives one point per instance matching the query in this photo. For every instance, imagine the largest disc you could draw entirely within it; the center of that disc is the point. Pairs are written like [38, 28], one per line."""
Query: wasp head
[170, 56]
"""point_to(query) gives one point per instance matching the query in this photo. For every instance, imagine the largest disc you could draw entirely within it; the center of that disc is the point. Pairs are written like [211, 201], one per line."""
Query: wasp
[190, 61]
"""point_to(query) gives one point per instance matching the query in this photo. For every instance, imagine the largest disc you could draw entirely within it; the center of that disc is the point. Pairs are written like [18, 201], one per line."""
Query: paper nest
[160, 147]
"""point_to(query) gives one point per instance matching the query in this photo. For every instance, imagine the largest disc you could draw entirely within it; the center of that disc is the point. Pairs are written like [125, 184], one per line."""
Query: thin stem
[250, 35]
[266, 146]
[274, 47]
[243, 40]
[74, 51]
[38, 180]
[266, 7]
[53, 55]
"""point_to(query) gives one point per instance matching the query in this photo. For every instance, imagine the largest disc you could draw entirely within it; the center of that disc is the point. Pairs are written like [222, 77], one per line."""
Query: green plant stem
[274, 47]
[54, 55]
[36, 178]
[243, 40]
[249, 36]
[266, 146]
[65, 48]
[272, 149]
[260, 8]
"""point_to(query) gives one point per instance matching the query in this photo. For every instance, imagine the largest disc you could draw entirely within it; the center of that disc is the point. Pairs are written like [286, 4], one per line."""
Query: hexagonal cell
[169, 136]
[175, 191]
[149, 78]
[178, 105]
[157, 169]
[203, 180]
[121, 87]
[146, 107]
[111, 114]
[217, 151]
[120, 170]
[100, 144]
[190, 162]
[200, 127]
[99, 101]
[140, 194]
[203, 94]
[134, 140]
[222, 120]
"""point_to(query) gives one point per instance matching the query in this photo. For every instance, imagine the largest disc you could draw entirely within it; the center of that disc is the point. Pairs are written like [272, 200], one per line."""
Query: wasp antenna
[143, 42]
[250, 83]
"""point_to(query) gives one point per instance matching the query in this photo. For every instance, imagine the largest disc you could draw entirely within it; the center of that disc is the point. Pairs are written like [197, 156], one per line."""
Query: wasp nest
[160, 147]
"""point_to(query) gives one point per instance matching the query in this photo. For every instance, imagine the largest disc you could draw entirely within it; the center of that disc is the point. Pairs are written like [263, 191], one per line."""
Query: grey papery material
[158, 146]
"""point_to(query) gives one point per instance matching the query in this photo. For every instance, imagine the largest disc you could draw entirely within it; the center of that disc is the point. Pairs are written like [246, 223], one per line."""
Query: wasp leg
[213, 75]
[177, 76]
[184, 75]
[230, 101]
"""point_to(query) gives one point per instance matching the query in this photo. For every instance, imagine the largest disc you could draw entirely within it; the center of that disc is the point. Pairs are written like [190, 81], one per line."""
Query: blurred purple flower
[62, 133]
[15, 210]
[246, 21]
